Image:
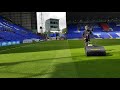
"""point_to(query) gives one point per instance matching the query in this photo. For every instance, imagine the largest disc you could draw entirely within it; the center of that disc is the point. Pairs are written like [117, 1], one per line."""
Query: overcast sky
[46, 15]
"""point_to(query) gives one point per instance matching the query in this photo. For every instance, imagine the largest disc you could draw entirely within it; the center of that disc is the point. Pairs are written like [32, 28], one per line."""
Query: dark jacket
[87, 33]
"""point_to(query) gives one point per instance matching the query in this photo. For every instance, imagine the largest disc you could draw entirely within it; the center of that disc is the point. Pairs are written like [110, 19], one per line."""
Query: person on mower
[86, 34]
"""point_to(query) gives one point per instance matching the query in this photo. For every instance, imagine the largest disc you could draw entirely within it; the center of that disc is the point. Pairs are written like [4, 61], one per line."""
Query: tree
[64, 30]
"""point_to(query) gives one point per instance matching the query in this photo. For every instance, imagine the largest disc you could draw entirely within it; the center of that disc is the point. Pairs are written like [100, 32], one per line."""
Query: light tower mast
[41, 27]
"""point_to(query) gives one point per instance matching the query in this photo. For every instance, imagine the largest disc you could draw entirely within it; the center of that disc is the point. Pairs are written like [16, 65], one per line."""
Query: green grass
[59, 59]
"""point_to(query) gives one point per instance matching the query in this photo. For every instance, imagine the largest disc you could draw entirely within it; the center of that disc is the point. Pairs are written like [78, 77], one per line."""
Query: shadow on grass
[96, 68]
[88, 69]
[31, 61]
[84, 69]
[43, 46]
[53, 45]
[27, 74]
[109, 54]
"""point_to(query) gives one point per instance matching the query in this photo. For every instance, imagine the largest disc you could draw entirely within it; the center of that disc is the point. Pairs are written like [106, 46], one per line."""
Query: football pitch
[59, 59]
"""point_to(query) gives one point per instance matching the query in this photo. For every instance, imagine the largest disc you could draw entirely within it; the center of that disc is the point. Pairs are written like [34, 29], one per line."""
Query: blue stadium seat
[97, 31]
[11, 32]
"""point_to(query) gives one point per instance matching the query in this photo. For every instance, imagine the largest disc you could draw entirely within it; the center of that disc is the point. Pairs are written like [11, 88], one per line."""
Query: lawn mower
[91, 49]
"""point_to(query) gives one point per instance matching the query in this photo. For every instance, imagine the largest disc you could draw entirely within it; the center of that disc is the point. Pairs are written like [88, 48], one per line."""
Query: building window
[51, 22]
[51, 26]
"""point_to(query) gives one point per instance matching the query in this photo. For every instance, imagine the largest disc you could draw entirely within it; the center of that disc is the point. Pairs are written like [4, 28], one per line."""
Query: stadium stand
[100, 30]
[12, 32]
[105, 26]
